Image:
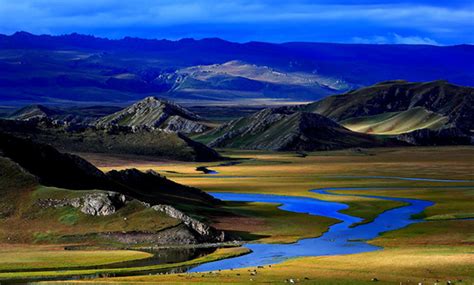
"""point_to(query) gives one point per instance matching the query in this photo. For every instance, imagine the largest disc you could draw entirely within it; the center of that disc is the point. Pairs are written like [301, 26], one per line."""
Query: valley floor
[438, 249]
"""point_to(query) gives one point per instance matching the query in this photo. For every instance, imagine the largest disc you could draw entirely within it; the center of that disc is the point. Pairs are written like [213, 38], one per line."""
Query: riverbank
[423, 252]
[437, 249]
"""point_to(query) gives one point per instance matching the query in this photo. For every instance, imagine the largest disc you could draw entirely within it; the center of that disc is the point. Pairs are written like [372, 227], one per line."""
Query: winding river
[341, 238]
[345, 237]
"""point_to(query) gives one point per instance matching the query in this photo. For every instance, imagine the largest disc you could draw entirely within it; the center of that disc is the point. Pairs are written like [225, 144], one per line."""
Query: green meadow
[439, 249]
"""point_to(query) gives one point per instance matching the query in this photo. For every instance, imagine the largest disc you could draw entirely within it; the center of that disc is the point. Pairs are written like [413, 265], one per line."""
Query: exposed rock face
[179, 124]
[96, 204]
[102, 204]
[62, 170]
[155, 113]
[206, 232]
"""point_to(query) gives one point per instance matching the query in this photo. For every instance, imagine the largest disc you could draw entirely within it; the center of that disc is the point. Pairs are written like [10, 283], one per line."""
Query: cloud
[395, 39]
[313, 20]
[413, 40]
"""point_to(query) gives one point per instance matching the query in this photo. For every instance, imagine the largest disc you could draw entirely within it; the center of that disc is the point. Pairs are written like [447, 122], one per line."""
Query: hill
[32, 112]
[61, 197]
[152, 112]
[113, 140]
[71, 115]
[397, 107]
[78, 68]
[285, 129]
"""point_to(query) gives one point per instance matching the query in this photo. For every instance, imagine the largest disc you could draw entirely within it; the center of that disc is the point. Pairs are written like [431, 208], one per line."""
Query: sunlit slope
[394, 123]
[395, 107]
[286, 129]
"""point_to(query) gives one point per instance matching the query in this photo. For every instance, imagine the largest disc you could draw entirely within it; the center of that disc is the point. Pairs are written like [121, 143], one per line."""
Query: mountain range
[389, 113]
[394, 111]
[71, 69]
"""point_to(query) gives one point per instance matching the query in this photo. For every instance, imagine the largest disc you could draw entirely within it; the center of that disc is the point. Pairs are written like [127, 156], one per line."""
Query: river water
[341, 238]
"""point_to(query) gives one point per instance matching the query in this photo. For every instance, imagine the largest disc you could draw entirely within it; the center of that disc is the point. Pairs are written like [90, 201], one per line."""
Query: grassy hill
[23, 221]
[286, 129]
[394, 123]
[114, 140]
[396, 107]
[47, 196]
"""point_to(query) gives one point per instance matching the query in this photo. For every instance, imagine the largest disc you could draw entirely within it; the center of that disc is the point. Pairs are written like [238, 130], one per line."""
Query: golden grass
[423, 252]
[287, 174]
[220, 253]
[27, 257]
[391, 266]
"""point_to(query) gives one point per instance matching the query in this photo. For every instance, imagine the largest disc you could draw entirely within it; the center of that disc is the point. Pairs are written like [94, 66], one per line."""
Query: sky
[435, 22]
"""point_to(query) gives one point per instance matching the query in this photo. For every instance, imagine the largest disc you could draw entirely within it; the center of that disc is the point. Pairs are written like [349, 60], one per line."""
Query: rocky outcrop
[206, 232]
[191, 231]
[180, 124]
[102, 204]
[155, 113]
[95, 204]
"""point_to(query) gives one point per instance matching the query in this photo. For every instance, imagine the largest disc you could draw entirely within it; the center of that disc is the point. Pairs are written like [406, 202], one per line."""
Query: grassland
[33, 224]
[439, 249]
[291, 174]
[36, 257]
[102, 257]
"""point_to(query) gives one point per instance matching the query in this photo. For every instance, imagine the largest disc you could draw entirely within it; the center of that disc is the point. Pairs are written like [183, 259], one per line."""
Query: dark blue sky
[349, 21]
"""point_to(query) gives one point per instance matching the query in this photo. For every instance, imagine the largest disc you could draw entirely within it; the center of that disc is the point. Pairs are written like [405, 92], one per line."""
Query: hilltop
[286, 129]
[71, 115]
[152, 112]
[62, 197]
[154, 143]
[399, 107]
[387, 113]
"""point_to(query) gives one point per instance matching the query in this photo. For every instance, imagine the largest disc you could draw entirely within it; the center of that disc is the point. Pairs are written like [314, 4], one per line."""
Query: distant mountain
[71, 68]
[242, 80]
[397, 107]
[286, 129]
[152, 112]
